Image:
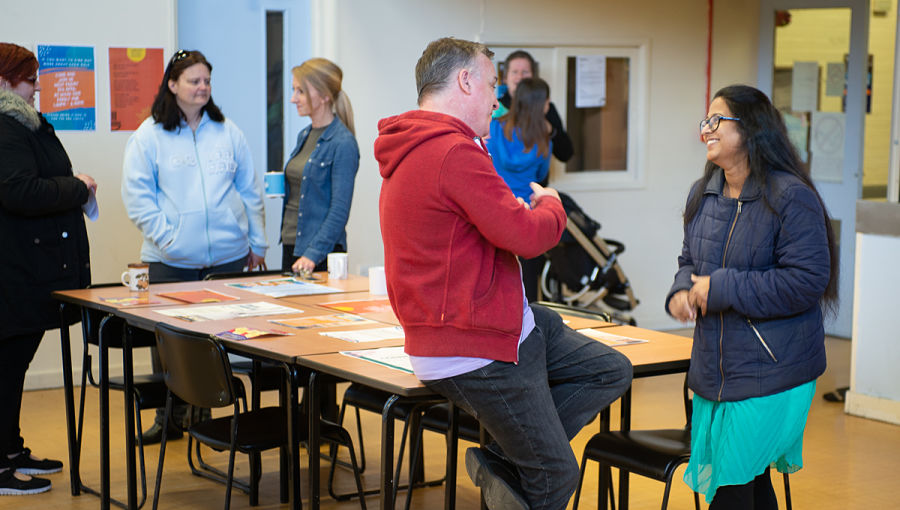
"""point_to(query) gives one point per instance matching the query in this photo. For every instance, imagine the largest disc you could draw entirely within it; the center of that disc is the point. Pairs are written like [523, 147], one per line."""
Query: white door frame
[841, 197]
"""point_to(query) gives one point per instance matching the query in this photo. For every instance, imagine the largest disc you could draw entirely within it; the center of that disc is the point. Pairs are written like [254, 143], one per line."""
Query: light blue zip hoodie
[194, 195]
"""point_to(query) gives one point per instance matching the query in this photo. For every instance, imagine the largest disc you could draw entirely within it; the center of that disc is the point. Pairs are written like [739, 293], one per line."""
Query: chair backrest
[195, 366]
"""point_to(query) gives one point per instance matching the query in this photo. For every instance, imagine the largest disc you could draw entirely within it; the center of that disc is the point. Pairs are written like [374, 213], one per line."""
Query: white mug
[377, 281]
[137, 277]
[337, 266]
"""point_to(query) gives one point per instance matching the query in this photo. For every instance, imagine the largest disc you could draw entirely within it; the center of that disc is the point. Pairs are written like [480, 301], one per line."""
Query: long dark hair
[165, 109]
[527, 114]
[768, 148]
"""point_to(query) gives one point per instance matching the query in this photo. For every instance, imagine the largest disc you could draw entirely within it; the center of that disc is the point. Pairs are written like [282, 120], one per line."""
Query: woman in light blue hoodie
[520, 147]
[190, 187]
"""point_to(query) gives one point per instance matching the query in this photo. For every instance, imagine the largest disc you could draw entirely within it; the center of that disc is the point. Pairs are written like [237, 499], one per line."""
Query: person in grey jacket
[757, 266]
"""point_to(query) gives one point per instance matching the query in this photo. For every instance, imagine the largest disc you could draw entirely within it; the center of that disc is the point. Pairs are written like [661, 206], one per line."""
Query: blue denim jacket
[325, 191]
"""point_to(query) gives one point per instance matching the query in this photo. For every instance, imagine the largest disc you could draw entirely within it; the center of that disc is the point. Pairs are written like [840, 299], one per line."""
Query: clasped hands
[685, 303]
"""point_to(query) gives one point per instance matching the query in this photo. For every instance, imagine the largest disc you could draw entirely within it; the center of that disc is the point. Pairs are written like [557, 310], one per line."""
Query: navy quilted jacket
[768, 267]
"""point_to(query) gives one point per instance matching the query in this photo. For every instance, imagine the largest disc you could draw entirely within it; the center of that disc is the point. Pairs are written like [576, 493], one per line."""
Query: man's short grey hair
[441, 58]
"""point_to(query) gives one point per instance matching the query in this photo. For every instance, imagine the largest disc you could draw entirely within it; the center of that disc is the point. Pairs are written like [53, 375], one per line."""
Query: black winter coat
[45, 244]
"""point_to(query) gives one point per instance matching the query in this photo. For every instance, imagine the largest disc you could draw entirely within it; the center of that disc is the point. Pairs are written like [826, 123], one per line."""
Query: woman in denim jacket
[757, 266]
[319, 174]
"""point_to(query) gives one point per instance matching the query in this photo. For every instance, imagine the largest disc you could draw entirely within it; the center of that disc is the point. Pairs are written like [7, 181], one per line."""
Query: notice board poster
[134, 75]
[67, 86]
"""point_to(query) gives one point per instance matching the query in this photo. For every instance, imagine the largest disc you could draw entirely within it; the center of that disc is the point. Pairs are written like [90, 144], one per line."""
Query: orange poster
[134, 76]
[67, 86]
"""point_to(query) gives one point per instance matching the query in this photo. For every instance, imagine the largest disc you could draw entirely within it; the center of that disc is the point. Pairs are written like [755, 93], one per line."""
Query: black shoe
[12, 486]
[153, 435]
[498, 480]
[23, 463]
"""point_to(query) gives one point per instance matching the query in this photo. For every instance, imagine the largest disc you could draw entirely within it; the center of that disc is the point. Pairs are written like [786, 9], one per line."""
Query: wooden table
[663, 354]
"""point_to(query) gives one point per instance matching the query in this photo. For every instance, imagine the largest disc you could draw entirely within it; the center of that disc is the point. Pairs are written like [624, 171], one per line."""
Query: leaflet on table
[243, 333]
[282, 287]
[609, 338]
[322, 321]
[391, 357]
[198, 296]
[227, 311]
[367, 335]
[361, 306]
[130, 301]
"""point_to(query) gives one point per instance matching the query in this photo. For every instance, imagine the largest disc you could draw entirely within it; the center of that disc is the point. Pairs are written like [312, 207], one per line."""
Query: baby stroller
[583, 269]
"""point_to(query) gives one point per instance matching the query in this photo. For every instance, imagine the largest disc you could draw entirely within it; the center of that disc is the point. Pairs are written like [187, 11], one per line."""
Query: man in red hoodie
[452, 230]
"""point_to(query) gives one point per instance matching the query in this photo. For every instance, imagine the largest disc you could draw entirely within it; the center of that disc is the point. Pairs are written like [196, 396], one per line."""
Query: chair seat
[650, 453]
[373, 400]
[258, 430]
[437, 417]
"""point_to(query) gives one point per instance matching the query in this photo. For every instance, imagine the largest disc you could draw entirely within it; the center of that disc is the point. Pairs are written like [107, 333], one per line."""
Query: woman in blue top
[319, 174]
[758, 263]
[520, 147]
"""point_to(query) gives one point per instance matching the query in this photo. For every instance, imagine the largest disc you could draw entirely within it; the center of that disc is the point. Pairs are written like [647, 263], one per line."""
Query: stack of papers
[230, 311]
[391, 357]
[282, 287]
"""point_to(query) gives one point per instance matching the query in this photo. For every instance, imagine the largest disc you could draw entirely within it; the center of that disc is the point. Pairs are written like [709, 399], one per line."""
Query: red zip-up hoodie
[451, 229]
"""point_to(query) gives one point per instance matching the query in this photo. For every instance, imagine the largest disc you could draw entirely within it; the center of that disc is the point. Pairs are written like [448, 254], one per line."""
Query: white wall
[378, 43]
[103, 23]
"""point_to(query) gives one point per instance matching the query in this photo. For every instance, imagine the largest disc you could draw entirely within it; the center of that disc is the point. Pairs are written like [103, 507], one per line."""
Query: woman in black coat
[45, 249]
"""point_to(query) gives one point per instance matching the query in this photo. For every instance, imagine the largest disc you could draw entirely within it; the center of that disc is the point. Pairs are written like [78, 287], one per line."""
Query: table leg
[128, 376]
[104, 416]
[625, 425]
[387, 453]
[452, 446]
[603, 481]
[68, 392]
[312, 443]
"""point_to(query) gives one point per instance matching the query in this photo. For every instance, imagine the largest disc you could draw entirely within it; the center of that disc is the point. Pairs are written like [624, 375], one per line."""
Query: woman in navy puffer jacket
[758, 262]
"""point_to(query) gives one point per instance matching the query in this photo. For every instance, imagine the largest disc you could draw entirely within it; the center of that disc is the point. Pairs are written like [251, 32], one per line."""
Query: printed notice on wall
[134, 75]
[805, 87]
[590, 81]
[67, 86]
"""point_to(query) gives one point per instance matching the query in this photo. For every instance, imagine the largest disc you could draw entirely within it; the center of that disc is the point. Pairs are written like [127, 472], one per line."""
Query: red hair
[16, 63]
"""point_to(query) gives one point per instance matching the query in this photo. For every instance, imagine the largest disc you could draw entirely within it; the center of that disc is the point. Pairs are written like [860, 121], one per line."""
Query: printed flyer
[67, 86]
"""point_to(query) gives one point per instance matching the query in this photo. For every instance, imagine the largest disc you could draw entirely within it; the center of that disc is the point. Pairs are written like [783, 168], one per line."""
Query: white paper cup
[137, 277]
[337, 266]
[377, 281]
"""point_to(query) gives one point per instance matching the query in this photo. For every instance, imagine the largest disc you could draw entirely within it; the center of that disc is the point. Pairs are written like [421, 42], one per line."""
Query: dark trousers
[16, 354]
[533, 408]
[531, 276]
[757, 494]
[162, 273]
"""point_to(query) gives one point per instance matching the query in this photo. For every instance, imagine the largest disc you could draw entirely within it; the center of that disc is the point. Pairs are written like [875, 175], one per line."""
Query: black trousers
[16, 354]
[758, 494]
[288, 258]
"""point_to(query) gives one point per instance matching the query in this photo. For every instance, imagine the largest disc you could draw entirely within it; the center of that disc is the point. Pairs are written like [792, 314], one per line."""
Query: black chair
[655, 454]
[149, 390]
[196, 368]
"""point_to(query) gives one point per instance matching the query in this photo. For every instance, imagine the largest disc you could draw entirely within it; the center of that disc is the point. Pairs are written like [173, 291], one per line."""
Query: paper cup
[337, 266]
[274, 184]
[377, 281]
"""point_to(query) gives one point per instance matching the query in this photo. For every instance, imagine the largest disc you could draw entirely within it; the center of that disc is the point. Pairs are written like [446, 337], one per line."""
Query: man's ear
[462, 79]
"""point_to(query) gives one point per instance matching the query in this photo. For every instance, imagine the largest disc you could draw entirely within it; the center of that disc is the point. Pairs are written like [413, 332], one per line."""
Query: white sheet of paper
[826, 146]
[590, 81]
[805, 87]
[91, 208]
[367, 335]
[227, 311]
[609, 338]
[392, 357]
[834, 79]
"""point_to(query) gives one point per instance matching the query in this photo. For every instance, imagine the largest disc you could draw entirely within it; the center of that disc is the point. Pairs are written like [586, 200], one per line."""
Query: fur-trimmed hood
[13, 105]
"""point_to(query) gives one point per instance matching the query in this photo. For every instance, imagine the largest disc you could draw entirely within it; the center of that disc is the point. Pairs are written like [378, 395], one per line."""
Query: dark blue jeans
[533, 408]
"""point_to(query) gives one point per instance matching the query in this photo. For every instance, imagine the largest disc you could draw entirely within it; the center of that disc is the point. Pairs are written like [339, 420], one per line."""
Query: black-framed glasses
[713, 121]
[180, 55]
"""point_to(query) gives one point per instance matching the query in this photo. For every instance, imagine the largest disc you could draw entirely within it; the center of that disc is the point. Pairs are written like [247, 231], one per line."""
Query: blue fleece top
[194, 195]
[517, 167]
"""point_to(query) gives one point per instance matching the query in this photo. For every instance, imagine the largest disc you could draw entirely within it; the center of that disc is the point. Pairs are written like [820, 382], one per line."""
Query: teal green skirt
[733, 442]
